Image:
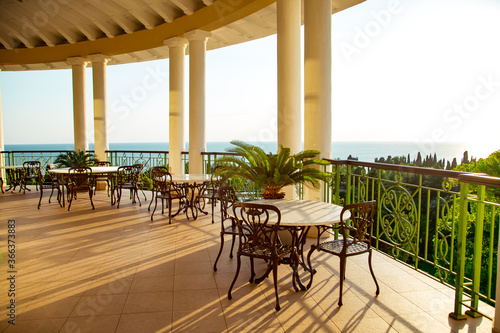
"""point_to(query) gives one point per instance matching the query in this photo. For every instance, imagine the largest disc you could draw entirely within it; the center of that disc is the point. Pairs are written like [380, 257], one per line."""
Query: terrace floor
[113, 270]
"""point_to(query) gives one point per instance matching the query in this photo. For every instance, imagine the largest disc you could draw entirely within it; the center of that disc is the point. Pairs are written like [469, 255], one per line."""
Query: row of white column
[197, 137]
[197, 40]
[317, 79]
[78, 65]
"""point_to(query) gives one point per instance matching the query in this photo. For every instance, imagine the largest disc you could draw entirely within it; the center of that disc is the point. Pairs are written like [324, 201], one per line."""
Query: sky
[422, 71]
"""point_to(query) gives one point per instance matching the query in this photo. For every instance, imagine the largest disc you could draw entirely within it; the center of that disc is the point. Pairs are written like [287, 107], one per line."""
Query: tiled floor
[113, 270]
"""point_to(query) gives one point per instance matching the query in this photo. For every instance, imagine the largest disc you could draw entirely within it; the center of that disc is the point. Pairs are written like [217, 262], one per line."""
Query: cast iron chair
[31, 172]
[80, 179]
[140, 184]
[166, 191]
[152, 171]
[126, 179]
[258, 239]
[49, 182]
[211, 191]
[227, 197]
[356, 239]
[102, 178]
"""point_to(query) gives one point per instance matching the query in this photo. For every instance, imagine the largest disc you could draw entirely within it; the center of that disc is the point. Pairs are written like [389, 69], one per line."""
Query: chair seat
[335, 246]
[169, 195]
[257, 250]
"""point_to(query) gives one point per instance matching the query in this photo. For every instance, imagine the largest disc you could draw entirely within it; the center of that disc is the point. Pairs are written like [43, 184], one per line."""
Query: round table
[298, 216]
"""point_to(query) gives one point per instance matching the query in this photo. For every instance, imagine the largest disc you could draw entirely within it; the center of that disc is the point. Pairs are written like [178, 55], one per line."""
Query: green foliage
[274, 171]
[490, 166]
[73, 159]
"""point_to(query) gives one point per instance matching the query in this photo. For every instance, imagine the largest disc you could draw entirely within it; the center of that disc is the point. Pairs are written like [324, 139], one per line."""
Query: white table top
[191, 178]
[108, 169]
[11, 167]
[305, 213]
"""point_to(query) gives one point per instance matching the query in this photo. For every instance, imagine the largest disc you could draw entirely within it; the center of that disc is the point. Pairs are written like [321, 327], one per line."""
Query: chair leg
[41, 195]
[252, 267]
[232, 247]
[213, 209]
[220, 251]
[59, 196]
[235, 276]
[136, 191]
[152, 198]
[70, 200]
[342, 277]
[91, 192]
[154, 209]
[371, 271]
[118, 197]
[169, 211]
[275, 280]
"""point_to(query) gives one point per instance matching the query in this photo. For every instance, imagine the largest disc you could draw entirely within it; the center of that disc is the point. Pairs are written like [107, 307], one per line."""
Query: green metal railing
[437, 221]
[442, 223]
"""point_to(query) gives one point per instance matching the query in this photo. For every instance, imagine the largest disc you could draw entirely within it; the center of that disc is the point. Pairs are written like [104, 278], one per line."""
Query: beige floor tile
[53, 325]
[152, 284]
[99, 305]
[114, 281]
[304, 313]
[149, 302]
[158, 322]
[200, 320]
[113, 270]
[367, 325]
[91, 324]
[251, 318]
[194, 282]
[47, 308]
[419, 322]
[196, 299]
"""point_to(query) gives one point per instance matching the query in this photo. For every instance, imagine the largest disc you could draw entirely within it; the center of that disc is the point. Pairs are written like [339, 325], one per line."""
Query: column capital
[95, 58]
[197, 35]
[176, 42]
[77, 61]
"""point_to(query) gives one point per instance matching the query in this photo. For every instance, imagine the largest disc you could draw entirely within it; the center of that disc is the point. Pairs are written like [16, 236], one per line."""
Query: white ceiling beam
[69, 35]
[29, 43]
[167, 13]
[127, 26]
[91, 35]
[187, 8]
[147, 21]
[6, 43]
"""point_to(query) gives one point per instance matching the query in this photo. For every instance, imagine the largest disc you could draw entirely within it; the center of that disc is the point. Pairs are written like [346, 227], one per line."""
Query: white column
[100, 106]
[78, 66]
[177, 51]
[289, 80]
[197, 137]
[317, 82]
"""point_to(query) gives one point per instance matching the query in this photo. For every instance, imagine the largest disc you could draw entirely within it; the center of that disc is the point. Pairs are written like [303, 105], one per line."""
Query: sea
[363, 151]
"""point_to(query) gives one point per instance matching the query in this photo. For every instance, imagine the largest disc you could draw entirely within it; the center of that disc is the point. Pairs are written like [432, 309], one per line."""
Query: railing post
[496, 319]
[348, 186]
[478, 247]
[462, 234]
[337, 184]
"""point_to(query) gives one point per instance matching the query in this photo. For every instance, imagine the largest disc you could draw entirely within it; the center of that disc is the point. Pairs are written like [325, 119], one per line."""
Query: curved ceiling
[43, 34]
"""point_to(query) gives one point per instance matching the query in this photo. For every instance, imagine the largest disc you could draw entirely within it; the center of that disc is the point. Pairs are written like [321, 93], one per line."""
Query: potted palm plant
[73, 159]
[272, 172]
